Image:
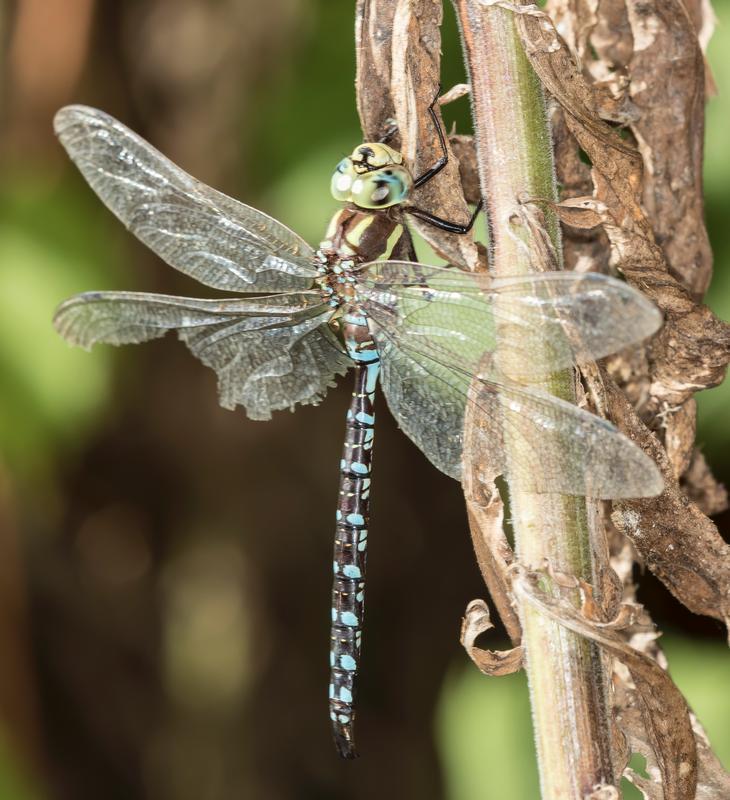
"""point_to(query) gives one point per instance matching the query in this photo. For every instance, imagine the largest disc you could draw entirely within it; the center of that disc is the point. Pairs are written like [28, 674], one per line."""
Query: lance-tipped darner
[429, 335]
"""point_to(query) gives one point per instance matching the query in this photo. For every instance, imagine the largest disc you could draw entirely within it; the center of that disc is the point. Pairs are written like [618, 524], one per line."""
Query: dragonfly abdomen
[350, 552]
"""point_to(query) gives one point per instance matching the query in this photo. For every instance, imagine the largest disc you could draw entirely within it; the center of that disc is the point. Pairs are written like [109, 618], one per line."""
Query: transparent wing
[205, 234]
[552, 445]
[544, 321]
[269, 353]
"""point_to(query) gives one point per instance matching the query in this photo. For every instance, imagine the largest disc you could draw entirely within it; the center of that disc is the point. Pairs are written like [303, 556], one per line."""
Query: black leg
[444, 224]
[444, 160]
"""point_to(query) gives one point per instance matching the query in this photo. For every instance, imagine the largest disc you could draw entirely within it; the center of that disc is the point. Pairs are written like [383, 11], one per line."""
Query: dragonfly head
[372, 177]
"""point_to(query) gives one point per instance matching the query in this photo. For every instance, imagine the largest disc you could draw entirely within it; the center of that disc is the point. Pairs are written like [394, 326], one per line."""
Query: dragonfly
[301, 316]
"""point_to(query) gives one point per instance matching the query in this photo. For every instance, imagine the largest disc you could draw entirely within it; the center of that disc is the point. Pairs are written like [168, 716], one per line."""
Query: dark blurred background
[165, 565]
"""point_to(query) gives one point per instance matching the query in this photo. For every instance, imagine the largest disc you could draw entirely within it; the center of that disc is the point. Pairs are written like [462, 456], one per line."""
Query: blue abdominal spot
[351, 571]
[348, 663]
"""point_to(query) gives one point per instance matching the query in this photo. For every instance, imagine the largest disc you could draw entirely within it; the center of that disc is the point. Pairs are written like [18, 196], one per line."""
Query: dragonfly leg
[438, 222]
[350, 554]
[444, 160]
[444, 224]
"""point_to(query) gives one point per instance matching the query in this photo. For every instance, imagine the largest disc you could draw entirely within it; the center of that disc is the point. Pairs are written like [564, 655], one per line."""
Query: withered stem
[566, 676]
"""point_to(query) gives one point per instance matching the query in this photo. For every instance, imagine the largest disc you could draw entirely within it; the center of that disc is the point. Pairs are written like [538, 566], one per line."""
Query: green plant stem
[565, 673]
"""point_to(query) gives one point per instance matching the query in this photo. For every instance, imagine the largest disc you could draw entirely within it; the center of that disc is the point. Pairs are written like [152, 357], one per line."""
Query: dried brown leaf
[486, 517]
[580, 212]
[667, 88]
[672, 536]
[373, 53]
[491, 662]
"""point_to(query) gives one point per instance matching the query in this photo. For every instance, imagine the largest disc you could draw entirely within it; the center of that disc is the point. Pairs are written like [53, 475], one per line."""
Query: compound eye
[342, 179]
[381, 188]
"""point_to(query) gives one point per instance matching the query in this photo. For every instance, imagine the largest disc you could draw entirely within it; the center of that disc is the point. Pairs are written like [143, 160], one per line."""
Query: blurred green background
[164, 564]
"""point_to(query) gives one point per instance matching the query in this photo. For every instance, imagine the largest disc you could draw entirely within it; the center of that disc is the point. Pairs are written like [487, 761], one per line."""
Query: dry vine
[627, 83]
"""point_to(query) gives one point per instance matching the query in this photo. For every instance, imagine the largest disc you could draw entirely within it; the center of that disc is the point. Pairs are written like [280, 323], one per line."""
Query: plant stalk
[567, 679]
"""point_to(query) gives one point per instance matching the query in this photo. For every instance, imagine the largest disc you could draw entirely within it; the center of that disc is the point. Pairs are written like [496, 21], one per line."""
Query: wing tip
[646, 479]
[64, 326]
[653, 483]
[71, 117]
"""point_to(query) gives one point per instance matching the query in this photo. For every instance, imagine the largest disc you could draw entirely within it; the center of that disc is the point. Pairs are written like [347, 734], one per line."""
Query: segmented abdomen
[348, 592]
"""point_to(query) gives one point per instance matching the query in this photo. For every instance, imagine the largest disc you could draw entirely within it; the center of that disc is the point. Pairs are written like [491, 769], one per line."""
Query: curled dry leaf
[584, 213]
[486, 517]
[664, 713]
[585, 248]
[623, 617]
[491, 662]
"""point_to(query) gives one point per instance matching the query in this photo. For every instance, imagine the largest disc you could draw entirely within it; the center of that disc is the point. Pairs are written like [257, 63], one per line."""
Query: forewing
[201, 232]
[521, 432]
[542, 322]
[269, 353]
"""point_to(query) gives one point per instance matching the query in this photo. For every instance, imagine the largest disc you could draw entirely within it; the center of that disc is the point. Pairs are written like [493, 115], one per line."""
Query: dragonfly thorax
[336, 280]
[373, 176]
[357, 236]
